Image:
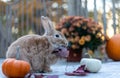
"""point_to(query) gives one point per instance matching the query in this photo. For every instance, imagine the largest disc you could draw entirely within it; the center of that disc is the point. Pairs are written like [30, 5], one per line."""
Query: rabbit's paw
[47, 69]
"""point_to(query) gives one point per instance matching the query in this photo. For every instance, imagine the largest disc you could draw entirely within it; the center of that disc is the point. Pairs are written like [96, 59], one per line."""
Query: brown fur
[37, 50]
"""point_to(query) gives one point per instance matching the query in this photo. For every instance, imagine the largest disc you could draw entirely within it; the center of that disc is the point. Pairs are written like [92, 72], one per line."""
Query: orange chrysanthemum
[81, 41]
[87, 38]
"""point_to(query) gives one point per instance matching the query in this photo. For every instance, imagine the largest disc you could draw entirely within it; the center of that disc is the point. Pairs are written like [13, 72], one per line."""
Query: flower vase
[74, 55]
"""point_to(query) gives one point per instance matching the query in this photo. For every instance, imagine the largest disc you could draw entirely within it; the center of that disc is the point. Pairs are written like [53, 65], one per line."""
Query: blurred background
[21, 17]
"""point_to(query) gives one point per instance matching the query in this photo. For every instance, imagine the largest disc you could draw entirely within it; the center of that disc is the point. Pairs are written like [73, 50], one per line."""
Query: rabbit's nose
[59, 49]
[42, 17]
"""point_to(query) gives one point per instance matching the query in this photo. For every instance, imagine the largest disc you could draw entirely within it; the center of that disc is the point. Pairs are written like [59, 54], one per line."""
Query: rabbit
[40, 51]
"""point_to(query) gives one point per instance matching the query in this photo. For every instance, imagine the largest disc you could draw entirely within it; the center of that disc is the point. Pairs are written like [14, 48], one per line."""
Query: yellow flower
[77, 38]
[87, 38]
[98, 35]
[83, 37]
[82, 41]
[103, 38]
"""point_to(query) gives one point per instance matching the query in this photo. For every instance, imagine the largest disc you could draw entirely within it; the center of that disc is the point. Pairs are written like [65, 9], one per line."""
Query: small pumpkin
[92, 65]
[14, 68]
[113, 47]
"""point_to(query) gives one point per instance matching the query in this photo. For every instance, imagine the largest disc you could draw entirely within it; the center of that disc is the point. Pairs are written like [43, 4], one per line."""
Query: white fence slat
[95, 11]
[114, 16]
[104, 16]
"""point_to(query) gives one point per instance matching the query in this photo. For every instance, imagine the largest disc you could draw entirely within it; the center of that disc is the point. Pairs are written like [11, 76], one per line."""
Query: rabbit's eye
[57, 36]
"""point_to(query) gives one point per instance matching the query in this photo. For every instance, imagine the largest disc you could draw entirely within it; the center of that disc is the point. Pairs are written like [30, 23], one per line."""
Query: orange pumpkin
[15, 68]
[113, 47]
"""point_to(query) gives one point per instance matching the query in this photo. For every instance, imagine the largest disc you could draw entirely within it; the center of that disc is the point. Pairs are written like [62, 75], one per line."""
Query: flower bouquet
[81, 33]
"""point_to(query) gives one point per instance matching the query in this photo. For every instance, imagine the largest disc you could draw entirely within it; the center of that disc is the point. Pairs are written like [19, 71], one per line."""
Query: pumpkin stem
[17, 53]
[88, 55]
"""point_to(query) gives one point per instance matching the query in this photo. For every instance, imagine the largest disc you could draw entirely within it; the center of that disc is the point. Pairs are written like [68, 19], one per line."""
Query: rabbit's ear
[47, 25]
